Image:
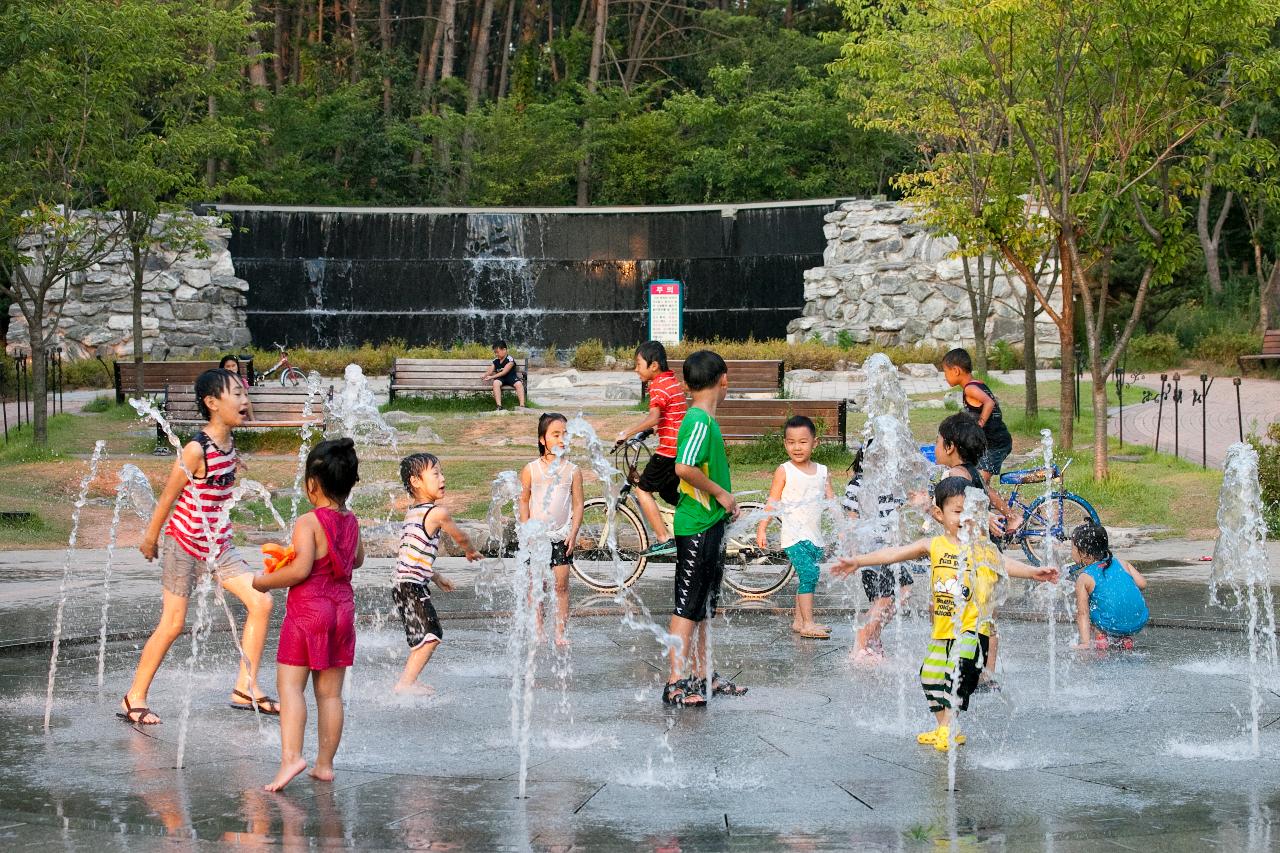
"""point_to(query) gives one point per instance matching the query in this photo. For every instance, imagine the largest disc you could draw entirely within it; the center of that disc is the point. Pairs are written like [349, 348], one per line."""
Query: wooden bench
[1270, 349]
[273, 408]
[747, 420]
[157, 375]
[746, 376]
[447, 375]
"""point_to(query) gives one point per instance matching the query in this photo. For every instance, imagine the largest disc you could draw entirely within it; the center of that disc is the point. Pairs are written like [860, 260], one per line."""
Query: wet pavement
[1131, 751]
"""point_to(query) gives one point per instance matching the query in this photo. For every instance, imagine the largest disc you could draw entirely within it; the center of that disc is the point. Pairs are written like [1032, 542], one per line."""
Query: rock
[618, 391]
[933, 403]
[920, 371]
[494, 441]
[399, 419]
[563, 380]
[427, 435]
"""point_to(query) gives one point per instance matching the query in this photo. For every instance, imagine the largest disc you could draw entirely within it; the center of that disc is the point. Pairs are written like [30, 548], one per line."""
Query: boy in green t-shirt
[706, 504]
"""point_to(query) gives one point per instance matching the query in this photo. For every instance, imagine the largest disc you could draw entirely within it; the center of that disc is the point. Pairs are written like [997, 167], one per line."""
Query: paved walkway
[1181, 427]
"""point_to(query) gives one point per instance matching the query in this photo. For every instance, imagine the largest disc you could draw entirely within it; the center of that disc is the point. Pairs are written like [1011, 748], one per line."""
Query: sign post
[666, 310]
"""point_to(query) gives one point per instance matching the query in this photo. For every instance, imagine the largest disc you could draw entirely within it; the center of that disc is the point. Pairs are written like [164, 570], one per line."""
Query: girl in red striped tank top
[198, 540]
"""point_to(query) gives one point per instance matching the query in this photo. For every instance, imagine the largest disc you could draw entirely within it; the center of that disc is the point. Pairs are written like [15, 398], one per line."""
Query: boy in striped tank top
[415, 564]
[198, 540]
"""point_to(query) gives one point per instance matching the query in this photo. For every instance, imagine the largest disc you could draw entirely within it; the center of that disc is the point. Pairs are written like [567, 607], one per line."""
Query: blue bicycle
[1055, 514]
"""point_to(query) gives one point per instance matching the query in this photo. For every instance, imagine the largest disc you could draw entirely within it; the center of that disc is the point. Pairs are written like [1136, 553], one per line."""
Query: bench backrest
[158, 374]
[747, 420]
[269, 404]
[746, 375]
[445, 374]
[1271, 342]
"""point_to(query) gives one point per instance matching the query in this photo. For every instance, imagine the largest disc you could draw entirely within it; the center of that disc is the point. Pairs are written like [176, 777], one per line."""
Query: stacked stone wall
[189, 304]
[886, 279]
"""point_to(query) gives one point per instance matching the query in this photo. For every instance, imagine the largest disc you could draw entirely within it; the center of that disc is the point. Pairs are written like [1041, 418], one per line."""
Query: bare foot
[287, 771]
[797, 627]
[324, 774]
[415, 689]
[815, 628]
[562, 641]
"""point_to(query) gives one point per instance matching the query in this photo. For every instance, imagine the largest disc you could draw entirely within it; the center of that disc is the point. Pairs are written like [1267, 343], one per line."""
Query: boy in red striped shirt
[667, 407]
[198, 539]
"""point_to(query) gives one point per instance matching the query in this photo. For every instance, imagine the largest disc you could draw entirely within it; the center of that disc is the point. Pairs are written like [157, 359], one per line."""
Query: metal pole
[1177, 403]
[4, 404]
[62, 402]
[1079, 369]
[1120, 397]
[1239, 413]
[1164, 384]
[1205, 384]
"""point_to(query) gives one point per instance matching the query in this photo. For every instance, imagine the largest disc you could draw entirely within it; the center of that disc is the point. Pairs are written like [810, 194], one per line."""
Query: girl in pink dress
[318, 637]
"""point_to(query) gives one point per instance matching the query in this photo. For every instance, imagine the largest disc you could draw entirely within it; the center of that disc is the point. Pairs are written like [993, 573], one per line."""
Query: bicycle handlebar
[635, 440]
[280, 347]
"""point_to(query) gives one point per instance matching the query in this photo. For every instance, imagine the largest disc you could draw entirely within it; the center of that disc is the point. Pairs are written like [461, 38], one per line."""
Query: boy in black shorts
[706, 505]
[667, 407]
[505, 374]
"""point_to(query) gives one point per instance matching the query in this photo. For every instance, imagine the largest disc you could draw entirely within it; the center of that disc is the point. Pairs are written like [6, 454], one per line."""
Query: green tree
[1102, 102]
[157, 168]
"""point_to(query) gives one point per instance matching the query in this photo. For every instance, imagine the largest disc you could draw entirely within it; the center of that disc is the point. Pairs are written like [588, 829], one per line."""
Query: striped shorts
[940, 663]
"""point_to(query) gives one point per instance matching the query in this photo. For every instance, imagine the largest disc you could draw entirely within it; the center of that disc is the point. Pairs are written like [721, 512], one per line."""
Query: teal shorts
[805, 556]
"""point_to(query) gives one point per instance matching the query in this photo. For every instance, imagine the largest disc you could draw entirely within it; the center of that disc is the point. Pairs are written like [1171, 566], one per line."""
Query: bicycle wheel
[749, 570]
[291, 378]
[593, 559]
[1058, 518]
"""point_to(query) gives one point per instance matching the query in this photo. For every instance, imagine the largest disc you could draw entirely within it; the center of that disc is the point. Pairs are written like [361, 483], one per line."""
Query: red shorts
[318, 633]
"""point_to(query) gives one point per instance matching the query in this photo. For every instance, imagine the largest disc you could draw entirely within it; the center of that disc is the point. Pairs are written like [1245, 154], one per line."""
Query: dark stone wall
[343, 277]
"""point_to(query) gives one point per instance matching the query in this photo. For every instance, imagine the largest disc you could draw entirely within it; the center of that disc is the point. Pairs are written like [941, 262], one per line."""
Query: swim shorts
[180, 571]
[699, 570]
[659, 478]
[413, 604]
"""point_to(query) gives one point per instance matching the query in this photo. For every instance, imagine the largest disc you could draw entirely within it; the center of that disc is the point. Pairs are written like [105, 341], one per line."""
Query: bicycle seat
[1027, 475]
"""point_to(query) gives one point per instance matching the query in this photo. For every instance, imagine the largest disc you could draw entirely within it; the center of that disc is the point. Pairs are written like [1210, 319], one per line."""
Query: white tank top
[802, 498]
[551, 496]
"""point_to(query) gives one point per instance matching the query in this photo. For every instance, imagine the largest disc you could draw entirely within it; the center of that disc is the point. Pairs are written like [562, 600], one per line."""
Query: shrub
[99, 404]
[1004, 357]
[770, 449]
[844, 339]
[551, 356]
[1269, 476]
[1153, 352]
[588, 355]
[1223, 347]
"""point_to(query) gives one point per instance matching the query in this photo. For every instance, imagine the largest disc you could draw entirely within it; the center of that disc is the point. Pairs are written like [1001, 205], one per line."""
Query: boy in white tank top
[800, 486]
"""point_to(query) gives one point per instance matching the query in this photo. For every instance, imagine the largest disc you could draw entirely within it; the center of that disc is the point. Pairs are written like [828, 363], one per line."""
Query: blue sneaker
[660, 549]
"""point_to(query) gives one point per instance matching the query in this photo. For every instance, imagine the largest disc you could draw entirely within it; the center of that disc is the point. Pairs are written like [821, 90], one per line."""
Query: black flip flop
[249, 702]
[135, 716]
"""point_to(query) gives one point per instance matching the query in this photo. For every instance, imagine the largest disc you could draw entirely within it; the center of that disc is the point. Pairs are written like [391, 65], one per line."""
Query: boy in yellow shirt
[956, 584]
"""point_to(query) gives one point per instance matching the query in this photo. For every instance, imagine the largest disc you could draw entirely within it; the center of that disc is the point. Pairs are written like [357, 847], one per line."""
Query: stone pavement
[1138, 751]
[1220, 427]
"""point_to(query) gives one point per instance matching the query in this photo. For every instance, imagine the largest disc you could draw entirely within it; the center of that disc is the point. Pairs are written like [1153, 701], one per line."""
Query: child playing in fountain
[318, 635]
[961, 444]
[799, 487]
[886, 587]
[706, 503]
[1108, 592]
[962, 592]
[552, 493]
[198, 539]
[981, 403]
[667, 407]
[505, 374]
[415, 564]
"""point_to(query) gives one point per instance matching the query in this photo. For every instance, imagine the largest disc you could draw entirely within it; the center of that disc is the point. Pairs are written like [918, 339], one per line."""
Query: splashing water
[134, 491]
[528, 587]
[885, 394]
[1240, 568]
[99, 448]
[308, 434]
[353, 412]
[1051, 591]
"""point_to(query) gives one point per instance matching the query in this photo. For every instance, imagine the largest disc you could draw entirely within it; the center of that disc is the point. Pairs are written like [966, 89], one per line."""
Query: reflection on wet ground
[1136, 751]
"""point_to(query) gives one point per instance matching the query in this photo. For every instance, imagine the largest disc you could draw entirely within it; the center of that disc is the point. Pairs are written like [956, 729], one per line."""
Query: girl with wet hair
[318, 636]
[1110, 608]
[551, 492]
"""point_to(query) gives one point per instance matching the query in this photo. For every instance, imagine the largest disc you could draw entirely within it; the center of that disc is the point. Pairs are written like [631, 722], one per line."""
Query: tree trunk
[977, 314]
[448, 19]
[1210, 236]
[1268, 295]
[384, 44]
[593, 78]
[39, 377]
[1031, 408]
[424, 47]
[352, 12]
[480, 56]
[257, 71]
[503, 77]
[278, 43]
[138, 263]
